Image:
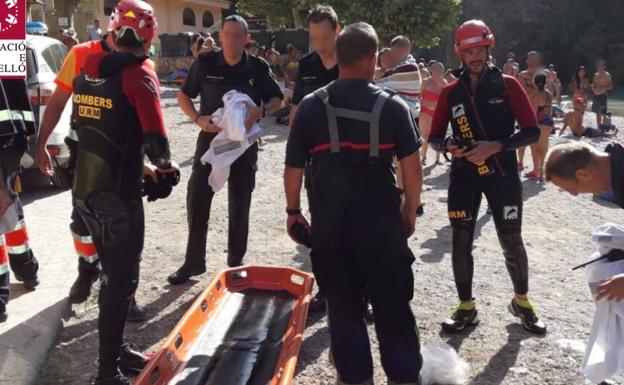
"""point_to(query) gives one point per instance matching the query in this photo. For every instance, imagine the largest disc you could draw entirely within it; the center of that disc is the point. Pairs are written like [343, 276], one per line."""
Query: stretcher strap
[17, 240]
[4, 257]
[85, 248]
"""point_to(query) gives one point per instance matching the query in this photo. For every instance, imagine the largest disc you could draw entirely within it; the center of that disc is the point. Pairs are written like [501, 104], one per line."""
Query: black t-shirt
[211, 77]
[312, 76]
[310, 134]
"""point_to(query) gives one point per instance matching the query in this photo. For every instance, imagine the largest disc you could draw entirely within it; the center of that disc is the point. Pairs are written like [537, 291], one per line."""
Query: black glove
[161, 189]
[301, 235]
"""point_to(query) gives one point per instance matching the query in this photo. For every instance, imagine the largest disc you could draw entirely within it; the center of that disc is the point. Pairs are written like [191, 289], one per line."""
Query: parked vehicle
[44, 57]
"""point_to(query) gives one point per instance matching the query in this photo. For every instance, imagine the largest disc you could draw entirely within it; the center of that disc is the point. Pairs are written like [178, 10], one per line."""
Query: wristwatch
[293, 212]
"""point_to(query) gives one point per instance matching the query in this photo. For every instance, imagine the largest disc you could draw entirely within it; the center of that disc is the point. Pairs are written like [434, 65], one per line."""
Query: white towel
[233, 140]
[604, 356]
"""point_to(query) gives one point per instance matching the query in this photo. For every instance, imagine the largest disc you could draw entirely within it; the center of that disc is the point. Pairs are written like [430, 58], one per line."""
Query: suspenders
[373, 118]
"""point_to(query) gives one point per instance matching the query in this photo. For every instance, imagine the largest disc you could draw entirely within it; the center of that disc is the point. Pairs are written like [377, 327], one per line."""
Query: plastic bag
[442, 365]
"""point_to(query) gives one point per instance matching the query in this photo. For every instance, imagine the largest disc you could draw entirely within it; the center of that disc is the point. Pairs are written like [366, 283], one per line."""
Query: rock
[576, 346]
[518, 370]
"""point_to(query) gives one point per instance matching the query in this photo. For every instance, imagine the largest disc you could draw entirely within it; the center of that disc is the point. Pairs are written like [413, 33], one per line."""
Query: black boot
[183, 274]
[3, 312]
[135, 313]
[318, 304]
[131, 361]
[29, 283]
[88, 273]
[117, 379]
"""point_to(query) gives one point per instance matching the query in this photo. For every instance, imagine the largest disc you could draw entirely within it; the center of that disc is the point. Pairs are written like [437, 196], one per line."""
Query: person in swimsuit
[511, 67]
[580, 84]
[602, 84]
[554, 84]
[574, 120]
[428, 101]
[541, 100]
[534, 65]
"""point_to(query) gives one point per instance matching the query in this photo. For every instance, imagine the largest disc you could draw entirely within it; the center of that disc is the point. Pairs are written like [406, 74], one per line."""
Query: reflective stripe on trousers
[4, 257]
[85, 248]
[17, 240]
[26, 116]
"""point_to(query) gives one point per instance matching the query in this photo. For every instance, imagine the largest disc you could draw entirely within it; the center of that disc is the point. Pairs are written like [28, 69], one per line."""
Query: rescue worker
[316, 70]
[117, 118]
[482, 106]
[88, 262]
[349, 132]
[16, 124]
[211, 75]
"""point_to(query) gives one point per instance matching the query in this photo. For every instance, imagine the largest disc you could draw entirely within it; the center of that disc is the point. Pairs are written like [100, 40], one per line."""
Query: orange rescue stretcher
[246, 327]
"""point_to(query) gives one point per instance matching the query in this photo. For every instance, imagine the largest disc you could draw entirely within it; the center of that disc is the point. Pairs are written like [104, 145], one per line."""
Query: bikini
[544, 118]
[428, 96]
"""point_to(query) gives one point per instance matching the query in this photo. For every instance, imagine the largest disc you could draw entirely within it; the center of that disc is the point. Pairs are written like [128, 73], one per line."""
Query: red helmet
[136, 15]
[473, 33]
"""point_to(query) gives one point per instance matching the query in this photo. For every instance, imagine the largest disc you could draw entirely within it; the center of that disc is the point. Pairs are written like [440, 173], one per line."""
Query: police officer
[316, 70]
[349, 132]
[118, 120]
[482, 107]
[211, 75]
[16, 124]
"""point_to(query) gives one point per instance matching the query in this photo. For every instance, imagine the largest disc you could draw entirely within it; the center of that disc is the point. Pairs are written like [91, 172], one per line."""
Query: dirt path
[557, 230]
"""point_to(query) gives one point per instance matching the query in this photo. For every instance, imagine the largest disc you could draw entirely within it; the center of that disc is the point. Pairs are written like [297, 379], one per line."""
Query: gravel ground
[557, 229]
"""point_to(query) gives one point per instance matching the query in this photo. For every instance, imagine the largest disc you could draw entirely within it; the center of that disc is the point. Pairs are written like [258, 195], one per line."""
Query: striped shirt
[404, 79]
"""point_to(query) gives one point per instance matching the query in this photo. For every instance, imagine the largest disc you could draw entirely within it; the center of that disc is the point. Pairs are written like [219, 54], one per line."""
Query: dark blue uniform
[349, 133]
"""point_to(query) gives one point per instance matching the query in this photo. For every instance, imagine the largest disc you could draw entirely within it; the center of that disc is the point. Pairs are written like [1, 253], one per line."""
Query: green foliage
[568, 33]
[425, 22]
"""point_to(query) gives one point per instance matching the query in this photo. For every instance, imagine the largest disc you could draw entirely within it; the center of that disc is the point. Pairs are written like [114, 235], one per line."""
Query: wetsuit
[117, 118]
[486, 115]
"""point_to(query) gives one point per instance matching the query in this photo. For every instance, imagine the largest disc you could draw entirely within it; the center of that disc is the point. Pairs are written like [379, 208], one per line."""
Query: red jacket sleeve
[441, 118]
[141, 87]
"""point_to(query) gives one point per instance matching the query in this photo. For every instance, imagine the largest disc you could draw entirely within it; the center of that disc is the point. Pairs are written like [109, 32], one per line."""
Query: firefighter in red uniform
[482, 107]
[16, 124]
[117, 115]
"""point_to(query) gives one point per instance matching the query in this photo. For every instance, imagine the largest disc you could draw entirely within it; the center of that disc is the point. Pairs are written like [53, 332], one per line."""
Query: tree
[277, 12]
[566, 33]
[425, 22]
